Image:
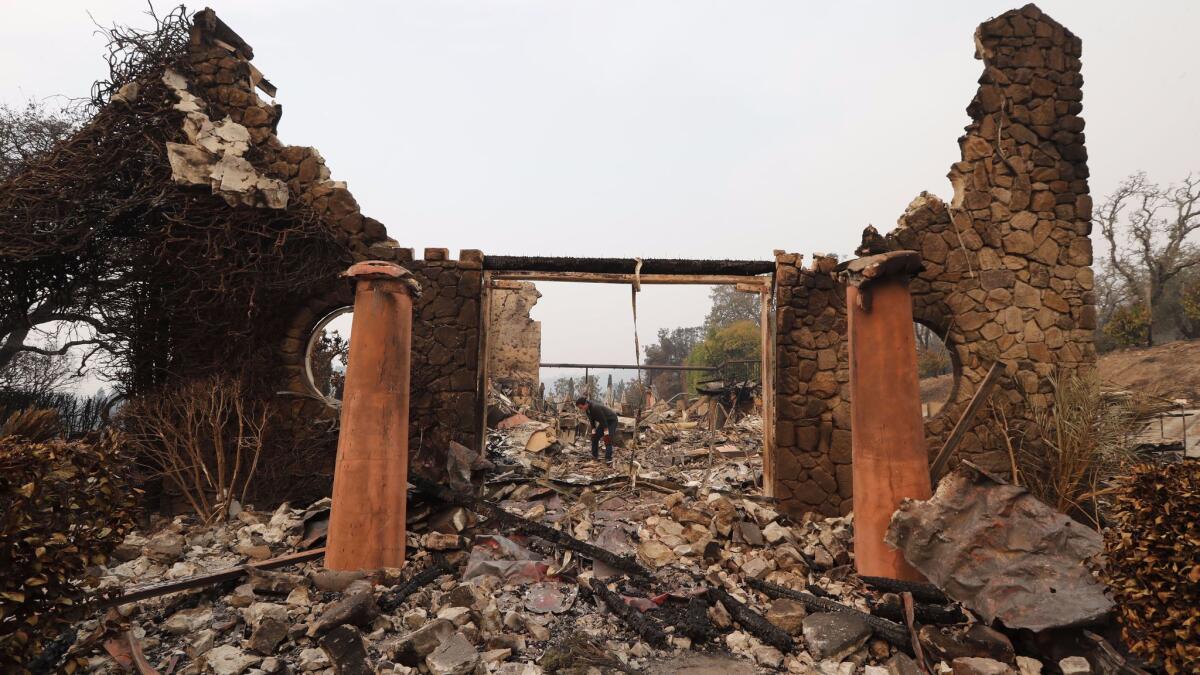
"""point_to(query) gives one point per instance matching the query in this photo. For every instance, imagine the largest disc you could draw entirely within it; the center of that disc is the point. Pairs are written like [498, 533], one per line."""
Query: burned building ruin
[1007, 262]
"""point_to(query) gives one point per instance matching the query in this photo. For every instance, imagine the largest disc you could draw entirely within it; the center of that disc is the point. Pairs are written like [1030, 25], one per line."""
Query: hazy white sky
[691, 128]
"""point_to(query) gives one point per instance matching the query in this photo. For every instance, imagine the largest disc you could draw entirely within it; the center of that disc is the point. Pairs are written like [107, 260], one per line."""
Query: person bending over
[603, 422]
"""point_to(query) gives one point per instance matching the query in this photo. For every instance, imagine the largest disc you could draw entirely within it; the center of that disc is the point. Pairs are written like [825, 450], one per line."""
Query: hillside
[1171, 370]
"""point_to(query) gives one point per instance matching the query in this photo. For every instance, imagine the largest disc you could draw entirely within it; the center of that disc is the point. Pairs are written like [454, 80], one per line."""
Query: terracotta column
[370, 480]
[890, 460]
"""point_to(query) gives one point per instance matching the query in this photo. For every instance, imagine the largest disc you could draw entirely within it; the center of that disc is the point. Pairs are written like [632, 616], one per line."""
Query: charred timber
[696, 625]
[891, 607]
[921, 592]
[754, 623]
[389, 602]
[647, 628]
[623, 563]
[515, 263]
[888, 630]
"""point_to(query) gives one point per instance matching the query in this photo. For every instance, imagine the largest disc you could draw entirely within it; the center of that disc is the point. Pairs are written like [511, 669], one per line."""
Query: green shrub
[933, 361]
[1129, 326]
[64, 506]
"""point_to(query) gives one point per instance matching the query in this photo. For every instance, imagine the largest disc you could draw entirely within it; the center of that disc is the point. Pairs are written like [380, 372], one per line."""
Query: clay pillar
[370, 480]
[890, 460]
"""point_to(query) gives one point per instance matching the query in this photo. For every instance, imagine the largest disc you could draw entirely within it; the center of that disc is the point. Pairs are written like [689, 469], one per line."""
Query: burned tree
[1148, 230]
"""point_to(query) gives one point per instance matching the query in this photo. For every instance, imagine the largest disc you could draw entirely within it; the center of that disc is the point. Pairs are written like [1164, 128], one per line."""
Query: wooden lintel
[614, 278]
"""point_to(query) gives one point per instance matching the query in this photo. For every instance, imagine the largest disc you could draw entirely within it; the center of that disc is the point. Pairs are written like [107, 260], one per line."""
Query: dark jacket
[599, 414]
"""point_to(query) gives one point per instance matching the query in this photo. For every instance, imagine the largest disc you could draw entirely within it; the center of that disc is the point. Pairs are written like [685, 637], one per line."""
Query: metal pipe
[890, 461]
[370, 481]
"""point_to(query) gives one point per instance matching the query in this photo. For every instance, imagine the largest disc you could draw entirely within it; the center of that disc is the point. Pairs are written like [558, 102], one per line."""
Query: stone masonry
[445, 353]
[1008, 267]
[514, 341]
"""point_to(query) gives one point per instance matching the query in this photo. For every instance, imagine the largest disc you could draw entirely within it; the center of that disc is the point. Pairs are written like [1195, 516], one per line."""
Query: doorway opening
[685, 372]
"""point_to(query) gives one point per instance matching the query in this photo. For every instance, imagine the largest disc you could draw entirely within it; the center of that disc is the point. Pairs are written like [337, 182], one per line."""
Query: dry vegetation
[1153, 547]
[203, 438]
[64, 506]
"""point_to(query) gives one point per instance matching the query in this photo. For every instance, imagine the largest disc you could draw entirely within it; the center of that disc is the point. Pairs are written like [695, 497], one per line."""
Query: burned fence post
[366, 521]
[890, 462]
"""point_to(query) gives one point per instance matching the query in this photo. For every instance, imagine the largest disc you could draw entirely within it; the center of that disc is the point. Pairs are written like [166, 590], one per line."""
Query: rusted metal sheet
[1005, 555]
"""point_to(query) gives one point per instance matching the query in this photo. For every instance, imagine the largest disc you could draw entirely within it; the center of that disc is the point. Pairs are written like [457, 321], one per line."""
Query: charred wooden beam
[754, 623]
[921, 592]
[646, 627]
[208, 578]
[696, 625]
[390, 601]
[514, 263]
[888, 630]
[890, 607]
[623, 563]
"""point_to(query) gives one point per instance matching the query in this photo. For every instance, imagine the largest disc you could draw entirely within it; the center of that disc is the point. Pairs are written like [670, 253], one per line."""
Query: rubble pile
[669, 561]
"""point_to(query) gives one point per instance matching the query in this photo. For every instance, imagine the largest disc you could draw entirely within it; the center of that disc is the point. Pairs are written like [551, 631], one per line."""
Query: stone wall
[1008, 267]
[228, 146]
[514, 341]
[812, 402]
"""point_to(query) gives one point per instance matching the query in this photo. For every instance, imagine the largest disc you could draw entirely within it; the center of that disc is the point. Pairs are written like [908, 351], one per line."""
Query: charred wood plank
[623, 563]
[647, 628]
[921, 592]
[515, 263]
[890, 607]
[965, 421]
[208, 578]
[390, 601]
[695, 623]
[754, 623]
[888, 630]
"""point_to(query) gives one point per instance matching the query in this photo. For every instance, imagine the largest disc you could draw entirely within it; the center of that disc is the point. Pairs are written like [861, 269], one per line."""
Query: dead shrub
[1065, 449]
[1153, 562]
[64, 506]
[204, 439]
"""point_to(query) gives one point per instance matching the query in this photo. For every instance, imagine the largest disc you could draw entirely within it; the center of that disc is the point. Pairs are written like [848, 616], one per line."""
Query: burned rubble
[562, 564]
[739, 529]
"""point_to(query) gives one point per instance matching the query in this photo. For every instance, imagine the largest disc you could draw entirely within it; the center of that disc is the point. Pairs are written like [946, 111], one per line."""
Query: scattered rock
[902, 664]
[273, 583]
[834, 635]
[787, 614]
[229, 660]
[334, 581]
[413, 648]
[975, 665]
[455, 656]
[165, 546]
[438, 541]
[312, 659]
[1029, 666]
[1075, 665]
[357, 607]
[344, 647]
[187, 621]
[768, 656]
